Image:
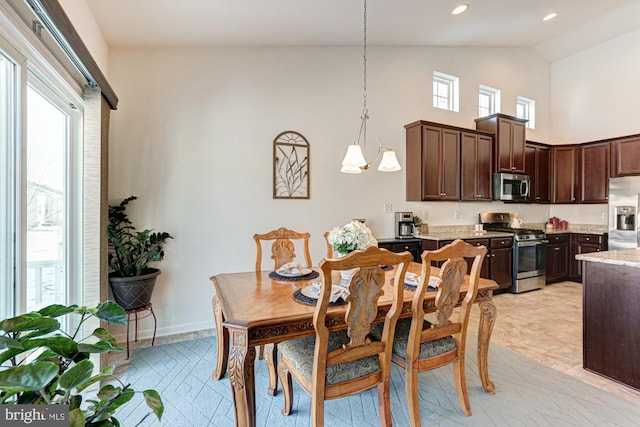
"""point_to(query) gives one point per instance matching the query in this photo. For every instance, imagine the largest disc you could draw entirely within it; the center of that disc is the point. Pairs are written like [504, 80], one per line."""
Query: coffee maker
[404, 225]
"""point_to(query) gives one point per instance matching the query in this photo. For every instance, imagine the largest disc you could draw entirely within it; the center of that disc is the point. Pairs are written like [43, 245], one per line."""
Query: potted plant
[41, 364]
[352, 236]
[130, 252]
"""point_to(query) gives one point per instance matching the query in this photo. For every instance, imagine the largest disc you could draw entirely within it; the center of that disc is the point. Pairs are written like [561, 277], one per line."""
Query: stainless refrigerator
[624, 196]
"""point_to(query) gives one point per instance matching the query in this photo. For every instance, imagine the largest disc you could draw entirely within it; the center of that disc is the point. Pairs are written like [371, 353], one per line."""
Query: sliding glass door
[8, 107]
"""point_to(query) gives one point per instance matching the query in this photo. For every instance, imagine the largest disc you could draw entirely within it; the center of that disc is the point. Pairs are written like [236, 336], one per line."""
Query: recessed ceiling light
[459, 9]
[550, 16]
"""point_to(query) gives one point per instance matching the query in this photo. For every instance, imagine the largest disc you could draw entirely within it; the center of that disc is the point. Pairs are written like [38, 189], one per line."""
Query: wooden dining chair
[282, 247]
[329, 245]
[420, 345]
[282, 252]
[332, 365]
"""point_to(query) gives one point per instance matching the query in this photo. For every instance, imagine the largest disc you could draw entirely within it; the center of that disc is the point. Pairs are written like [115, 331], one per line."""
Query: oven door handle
[536, 243]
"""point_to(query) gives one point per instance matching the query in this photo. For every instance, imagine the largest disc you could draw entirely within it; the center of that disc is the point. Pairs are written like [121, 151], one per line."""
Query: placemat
[386, 267]
[413, 287]
[276, 276]
[303, 299]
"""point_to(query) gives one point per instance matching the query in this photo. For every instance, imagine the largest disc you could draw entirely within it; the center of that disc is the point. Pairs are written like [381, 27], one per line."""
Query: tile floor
[546, 325]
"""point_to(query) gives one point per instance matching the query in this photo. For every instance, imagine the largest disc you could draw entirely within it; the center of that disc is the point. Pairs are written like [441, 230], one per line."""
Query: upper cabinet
[509, 147]
[625, 156]
[564, 169]
[594, 173]
[477, 166]
[433, 162]
[536, 164]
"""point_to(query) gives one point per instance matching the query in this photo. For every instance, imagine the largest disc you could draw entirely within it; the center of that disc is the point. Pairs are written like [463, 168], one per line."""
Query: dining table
[252, 309]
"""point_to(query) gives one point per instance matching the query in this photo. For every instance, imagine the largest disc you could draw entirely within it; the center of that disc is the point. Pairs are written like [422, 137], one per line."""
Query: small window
[445, 91]
[526, 109]
[488, 101]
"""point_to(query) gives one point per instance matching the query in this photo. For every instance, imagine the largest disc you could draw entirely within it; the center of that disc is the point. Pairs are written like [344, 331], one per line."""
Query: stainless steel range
[529, 252]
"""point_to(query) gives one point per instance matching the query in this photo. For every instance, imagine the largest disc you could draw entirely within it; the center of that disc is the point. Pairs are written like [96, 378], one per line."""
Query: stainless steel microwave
[511, 187]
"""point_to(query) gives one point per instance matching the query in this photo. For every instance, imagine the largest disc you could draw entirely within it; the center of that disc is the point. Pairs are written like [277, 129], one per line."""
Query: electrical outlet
[456, 214]
[388, 208]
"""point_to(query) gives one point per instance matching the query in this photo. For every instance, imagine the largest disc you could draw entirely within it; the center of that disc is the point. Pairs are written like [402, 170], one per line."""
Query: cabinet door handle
[587, 239]
[556, 249]
[598, 250]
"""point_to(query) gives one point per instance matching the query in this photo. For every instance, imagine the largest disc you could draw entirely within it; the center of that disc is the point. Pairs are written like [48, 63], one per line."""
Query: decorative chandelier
[354, 161]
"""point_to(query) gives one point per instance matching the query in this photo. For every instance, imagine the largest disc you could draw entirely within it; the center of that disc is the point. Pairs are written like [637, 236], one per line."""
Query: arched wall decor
[290, 166]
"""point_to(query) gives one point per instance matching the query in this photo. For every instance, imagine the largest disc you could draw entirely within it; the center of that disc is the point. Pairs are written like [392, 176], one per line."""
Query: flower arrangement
[354, 235]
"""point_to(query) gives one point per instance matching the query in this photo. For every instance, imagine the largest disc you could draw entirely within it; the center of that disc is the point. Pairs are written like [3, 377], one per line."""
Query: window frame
[529, 107]
[452, 83]
[494, 100]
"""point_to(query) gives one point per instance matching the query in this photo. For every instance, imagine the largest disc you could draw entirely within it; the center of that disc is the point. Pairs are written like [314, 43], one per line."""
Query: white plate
[411, 281]
[303, 272]
[309, 292]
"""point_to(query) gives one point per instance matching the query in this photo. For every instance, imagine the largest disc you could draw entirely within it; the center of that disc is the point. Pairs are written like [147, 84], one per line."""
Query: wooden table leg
[487, 321]
[222, 339]
[271, 356]
[241, 376]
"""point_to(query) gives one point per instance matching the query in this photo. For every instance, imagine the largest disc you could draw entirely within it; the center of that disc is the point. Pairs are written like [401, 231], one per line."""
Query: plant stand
[135, 312]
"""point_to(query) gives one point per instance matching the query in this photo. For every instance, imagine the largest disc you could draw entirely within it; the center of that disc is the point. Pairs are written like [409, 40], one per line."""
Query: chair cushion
[401, 339]
[300, 351]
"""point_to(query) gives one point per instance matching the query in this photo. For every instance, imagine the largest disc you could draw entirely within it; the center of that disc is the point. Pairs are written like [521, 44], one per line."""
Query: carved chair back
[282, 248]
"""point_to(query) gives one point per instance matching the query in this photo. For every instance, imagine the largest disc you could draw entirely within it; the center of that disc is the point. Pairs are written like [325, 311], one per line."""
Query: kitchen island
[611, 314]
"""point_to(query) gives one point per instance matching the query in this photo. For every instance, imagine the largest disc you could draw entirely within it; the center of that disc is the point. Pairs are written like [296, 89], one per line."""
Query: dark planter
[133, 292]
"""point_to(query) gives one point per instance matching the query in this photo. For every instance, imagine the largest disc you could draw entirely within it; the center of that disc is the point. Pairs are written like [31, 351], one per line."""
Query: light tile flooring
[546, 325]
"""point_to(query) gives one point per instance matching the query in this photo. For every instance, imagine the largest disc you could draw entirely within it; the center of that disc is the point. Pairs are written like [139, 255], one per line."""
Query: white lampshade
[350, 169]
[354, 157]
[389, 162]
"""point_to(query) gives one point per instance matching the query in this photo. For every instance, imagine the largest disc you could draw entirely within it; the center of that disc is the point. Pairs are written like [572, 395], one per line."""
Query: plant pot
[134, 292]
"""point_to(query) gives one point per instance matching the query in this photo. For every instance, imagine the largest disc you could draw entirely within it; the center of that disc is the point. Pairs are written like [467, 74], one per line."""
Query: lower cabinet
[411, 245]
[583, 243]
[557, 257]
[498, 264]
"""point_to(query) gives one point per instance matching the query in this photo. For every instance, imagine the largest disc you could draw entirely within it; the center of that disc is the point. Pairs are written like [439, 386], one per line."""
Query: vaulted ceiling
[580, 24]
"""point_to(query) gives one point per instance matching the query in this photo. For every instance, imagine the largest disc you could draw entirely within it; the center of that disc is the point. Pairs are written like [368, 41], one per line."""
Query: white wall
[594, 96]
[595, 92]
[193, 139]
[87, 27]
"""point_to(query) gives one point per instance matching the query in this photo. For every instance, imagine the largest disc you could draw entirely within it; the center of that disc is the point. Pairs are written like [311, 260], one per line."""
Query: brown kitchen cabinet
[536, 164]
[476, 173]
[584, 243]
[509, 141]
[594, 173]
[565, 173]
[557, 257]
[625, 156]
[414, 246]
[498, 264]
[433, 162]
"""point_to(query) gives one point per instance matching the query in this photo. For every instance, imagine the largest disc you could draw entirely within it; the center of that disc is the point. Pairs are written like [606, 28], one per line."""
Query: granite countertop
[471, 234]
[628, 257]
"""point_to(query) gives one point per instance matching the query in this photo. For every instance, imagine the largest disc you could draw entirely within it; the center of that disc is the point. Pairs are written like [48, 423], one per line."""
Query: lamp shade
[354, 156]
[389, 162]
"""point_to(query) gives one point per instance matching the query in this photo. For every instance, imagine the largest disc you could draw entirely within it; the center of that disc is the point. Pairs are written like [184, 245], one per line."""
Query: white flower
[354, 235]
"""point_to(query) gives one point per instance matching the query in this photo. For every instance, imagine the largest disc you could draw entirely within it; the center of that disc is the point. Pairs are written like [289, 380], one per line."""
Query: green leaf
[107, 392]
[26, 346]
[126, 396]
[34, 376]
[75, 401]
[63, 346]
[154, 402]
[111, 312]
[76, 418]
[98, 347]
[29, 322]
[76, 375]
[105, 335]
[103, 375]
[6, 342]
[56, 310]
